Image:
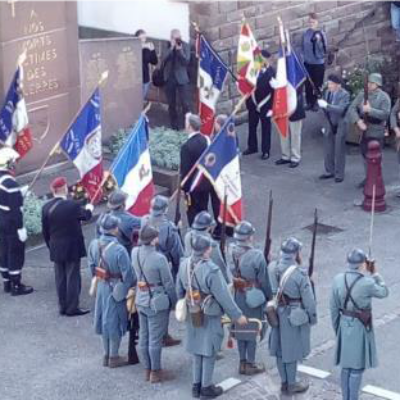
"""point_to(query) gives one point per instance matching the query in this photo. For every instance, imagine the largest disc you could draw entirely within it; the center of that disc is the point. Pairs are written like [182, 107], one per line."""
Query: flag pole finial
[22, 57]
[103, 77]
[196, 27]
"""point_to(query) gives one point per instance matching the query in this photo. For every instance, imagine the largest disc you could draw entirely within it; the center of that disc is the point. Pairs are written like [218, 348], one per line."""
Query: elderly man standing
[351, 311]
[109, 261]
[62, 232]
[290, 342]
[371, 117]
[175, 62]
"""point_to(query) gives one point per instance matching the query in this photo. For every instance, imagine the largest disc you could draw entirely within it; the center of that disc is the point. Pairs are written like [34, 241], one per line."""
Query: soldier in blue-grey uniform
[109, 261]
[155, 298]
[351, 311]
[251, 292]
[290, 341]
[204, 224]
[129, 224]
[203, 286]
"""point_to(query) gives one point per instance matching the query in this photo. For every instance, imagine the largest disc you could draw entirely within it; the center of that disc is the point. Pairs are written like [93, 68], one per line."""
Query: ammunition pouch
[364, 316]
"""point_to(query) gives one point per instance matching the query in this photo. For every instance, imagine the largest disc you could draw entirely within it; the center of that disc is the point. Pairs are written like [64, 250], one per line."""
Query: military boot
[117, 362]
[298, 387]
[196, 388]
[254, 369]
[284, 387]
[242, 367]
[147, 375]
[156, 376]
[106, 361]
[7, 286]
[211, 392]
[169, 341]
[19, 289]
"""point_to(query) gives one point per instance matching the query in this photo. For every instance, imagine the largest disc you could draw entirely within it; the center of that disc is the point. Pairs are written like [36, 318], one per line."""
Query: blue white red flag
[211, 78]
[220, 165]
[132, 170]
[14, 124]
[82, 145]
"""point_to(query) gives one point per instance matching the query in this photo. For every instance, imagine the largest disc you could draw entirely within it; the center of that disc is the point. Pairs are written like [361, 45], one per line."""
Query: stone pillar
[374, 178]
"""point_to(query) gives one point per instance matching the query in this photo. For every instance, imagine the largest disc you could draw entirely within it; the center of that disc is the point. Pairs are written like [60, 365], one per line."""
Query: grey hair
[194, 121]
[220, 119]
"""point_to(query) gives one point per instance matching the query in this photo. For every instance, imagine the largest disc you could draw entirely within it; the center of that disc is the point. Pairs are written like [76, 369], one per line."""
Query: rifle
[222, 242]
[312, 254]
[178, 215]
[370, 260]
[133, 327]
[268, 241]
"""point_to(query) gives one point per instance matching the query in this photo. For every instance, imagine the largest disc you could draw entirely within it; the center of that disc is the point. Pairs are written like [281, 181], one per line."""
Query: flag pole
[102, 79]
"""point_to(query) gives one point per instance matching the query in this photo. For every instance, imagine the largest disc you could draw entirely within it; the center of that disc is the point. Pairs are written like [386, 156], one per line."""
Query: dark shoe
[169, 341]
[361, 184]
[298, 387]
[282, 162]
[19, 289]
[147, 373]
[314, 108]
[117, 362]
[211, 392]
[155, 376]
[326, 176]
[254, 369]
[242, 368]
[196, 388]
[338, 180]
[78, 312]
[307, 107]
[294, 164]
[7, 287]
[264, 156]
[106, 361]
[249, 152]
[284, 387]
[62, 312]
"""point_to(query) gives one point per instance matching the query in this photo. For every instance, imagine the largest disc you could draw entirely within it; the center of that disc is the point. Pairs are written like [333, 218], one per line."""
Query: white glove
[25, 190]
[269, 113]
[89, 207]
[273, 83]
[322, 103]
[22, 235]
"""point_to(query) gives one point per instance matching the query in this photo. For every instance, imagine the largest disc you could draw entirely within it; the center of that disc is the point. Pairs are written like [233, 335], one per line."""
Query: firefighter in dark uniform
[12, 232]
[62, 232]
[259, 105]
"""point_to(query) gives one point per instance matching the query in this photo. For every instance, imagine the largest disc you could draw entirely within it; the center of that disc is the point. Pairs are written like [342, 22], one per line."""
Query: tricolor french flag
[211, 78]
[82, 145]
[14, 123]
[132, 170]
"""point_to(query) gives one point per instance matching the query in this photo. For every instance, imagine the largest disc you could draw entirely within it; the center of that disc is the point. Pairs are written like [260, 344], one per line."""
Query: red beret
[58, 183]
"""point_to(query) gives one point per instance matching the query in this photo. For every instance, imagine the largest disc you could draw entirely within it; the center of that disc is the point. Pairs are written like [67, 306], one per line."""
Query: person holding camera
[175, 62]
[351, 312]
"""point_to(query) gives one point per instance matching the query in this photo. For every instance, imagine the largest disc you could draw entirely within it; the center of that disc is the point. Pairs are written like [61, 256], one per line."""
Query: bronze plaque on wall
[121, 95]
[49, 32]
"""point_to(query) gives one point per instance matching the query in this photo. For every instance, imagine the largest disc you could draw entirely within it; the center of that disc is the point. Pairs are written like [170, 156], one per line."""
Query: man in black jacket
[259, 105]
[191, 150]
[62, 232]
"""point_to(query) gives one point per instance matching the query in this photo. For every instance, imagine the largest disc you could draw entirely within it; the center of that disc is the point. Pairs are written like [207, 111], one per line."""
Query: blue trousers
[287, 371]
[351, 382]
[152, 328]
[111, 345]
[203, 370]
[247, 350]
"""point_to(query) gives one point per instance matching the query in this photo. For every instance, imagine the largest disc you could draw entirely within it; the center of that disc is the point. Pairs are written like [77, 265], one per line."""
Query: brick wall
[342, 21]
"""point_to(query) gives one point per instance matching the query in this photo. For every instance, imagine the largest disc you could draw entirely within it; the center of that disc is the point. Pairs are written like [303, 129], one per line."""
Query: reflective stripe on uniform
[4, 208]
[3, 269]
[2, 187]
[17, 272]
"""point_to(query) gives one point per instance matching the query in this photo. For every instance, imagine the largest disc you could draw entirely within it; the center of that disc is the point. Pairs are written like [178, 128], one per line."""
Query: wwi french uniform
[155, 285]
[12, 250]
[355, 342]
[204, 342]
[395, 120]
[291, 344]
[334, 132]
[110, 315]
[249, 268]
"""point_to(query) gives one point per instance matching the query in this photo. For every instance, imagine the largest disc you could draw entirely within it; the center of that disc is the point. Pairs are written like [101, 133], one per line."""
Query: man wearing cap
[252, 290]
[200, 281]
[155, 298]
[109, 262]
[370, 118]
[334, 105]
[196, 199]
[351, 312]
[259, 105]
[129, 225]
[62, 232]
[290, 341]
[12, 232]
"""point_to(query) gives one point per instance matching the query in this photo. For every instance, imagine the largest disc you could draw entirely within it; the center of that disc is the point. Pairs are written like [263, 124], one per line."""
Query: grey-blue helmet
[356, 257]
[291, 246]
[109, 223]
[200, 244]
[159, 205]
[117, 199]
[147, 234]
[203, 221]
[243, 231]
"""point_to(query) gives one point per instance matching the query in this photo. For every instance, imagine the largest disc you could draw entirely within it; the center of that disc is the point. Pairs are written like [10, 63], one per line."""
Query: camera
[178, 42]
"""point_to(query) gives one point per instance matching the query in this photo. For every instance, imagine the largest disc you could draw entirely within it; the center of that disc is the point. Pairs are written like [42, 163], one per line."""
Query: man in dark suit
[259, 105]
[62, 232]
[175, 62]
[191, 150]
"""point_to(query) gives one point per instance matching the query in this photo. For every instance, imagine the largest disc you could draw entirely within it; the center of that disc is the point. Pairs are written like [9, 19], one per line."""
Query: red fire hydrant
[374, 178]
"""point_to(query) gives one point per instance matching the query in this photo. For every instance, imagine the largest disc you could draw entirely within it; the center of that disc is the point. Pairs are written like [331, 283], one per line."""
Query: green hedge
[33, 214]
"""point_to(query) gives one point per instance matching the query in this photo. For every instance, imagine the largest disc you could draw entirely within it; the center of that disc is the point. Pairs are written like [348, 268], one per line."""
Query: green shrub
[33, 214]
